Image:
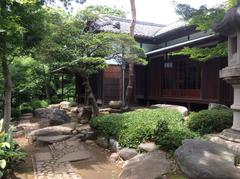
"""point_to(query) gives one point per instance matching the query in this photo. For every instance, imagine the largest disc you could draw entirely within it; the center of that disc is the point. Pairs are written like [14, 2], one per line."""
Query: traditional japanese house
[170, 78]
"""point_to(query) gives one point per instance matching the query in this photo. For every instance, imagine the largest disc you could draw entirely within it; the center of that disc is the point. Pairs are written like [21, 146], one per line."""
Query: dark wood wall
[153, 80]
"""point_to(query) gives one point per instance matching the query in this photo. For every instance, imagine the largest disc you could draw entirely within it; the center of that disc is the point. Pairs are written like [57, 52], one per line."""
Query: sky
[156, 11]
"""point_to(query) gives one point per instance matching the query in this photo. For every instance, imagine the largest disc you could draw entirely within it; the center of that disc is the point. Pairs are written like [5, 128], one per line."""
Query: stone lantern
[230, 26]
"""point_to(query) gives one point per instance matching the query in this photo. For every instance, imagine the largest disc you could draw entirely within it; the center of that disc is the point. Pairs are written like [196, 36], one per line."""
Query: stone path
[56, 163]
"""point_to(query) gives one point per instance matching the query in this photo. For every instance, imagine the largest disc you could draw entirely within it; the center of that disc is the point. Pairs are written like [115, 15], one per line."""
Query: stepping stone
[43, 156]
[75, 156]
[53, 139]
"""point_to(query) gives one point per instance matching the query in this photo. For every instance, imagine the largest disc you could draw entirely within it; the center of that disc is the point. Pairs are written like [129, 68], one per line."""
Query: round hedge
[210, 121]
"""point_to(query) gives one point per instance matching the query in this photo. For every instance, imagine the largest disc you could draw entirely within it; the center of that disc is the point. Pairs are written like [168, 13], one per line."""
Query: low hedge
[210, 121]
[132, 128]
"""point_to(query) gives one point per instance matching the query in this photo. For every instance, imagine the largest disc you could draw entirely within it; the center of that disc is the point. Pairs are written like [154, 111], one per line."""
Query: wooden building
[170, 78]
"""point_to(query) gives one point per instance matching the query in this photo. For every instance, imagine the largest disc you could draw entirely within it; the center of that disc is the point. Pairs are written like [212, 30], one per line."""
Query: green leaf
[3, 164]
[5, 144]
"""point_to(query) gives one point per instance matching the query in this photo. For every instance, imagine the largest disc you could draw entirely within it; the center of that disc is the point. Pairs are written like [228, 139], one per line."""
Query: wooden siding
[207, 87]
[112, 83]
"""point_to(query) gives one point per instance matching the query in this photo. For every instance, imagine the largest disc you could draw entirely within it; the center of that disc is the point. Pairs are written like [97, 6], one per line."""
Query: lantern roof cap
[230, 23]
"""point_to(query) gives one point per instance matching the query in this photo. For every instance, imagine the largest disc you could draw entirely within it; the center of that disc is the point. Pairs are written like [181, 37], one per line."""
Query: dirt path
[97, 168]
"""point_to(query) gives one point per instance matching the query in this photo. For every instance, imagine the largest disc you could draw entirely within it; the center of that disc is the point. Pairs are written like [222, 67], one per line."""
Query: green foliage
[126, 49]
[173, 137]
[16, 113]
[30, 79]
[232, 3]
[210, 121]
[25, 108]
[36, 103]
[99, 10]
[10, 153]
[204, 54]
[203, 19]
[132, 128]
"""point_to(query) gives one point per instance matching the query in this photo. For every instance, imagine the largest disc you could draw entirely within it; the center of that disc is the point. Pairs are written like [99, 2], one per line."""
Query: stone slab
[53, 139]
[75, 156]
[43, 156]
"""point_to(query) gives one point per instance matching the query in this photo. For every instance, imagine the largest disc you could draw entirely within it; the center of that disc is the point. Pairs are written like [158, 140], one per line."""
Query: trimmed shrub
[36, 103]
[107, 125]
[210, 121]
[133, 128]
[25, 108]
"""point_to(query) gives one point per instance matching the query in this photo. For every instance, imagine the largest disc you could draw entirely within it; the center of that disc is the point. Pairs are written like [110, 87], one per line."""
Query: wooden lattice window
[182, 75]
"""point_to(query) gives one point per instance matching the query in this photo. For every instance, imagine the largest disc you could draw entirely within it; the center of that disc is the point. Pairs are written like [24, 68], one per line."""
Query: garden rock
[150, 165]
[148, 147]
[65, 105]
[53, 131]
[102, 142]
[115, 104]
[212, 106]
[54, 106]
[127, 153]
[18, 134]
[114, 157]
[53, 139]
[55, 116]
[206, 160]
[59, 117]
[181, 109]
[74, 110]
[114, 145]
[105, 110]
[83, 127]
[85, 114]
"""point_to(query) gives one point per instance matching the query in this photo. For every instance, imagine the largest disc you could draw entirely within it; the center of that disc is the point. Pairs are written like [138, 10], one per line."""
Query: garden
[77, 100]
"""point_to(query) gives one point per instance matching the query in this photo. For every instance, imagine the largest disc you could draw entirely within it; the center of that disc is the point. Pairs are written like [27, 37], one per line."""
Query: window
[182, 75]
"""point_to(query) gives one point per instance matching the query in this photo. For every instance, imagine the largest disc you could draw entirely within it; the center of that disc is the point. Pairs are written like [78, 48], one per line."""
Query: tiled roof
[143, 29]
[170, 27]
[120, 25]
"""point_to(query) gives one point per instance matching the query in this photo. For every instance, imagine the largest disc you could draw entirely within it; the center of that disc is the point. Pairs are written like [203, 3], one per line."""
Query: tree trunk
[7, 95]
[130, 87]
[90, 96]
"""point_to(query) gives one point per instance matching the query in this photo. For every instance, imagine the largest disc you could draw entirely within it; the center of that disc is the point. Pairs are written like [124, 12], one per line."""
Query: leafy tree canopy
[202, 19]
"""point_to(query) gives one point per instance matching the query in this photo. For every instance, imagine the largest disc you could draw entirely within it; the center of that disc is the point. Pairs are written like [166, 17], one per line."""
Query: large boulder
[212, 106]
[150, 165]
[199, 159]
[127, 153]
[54, 116]
[181, 109]
[115, 104]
